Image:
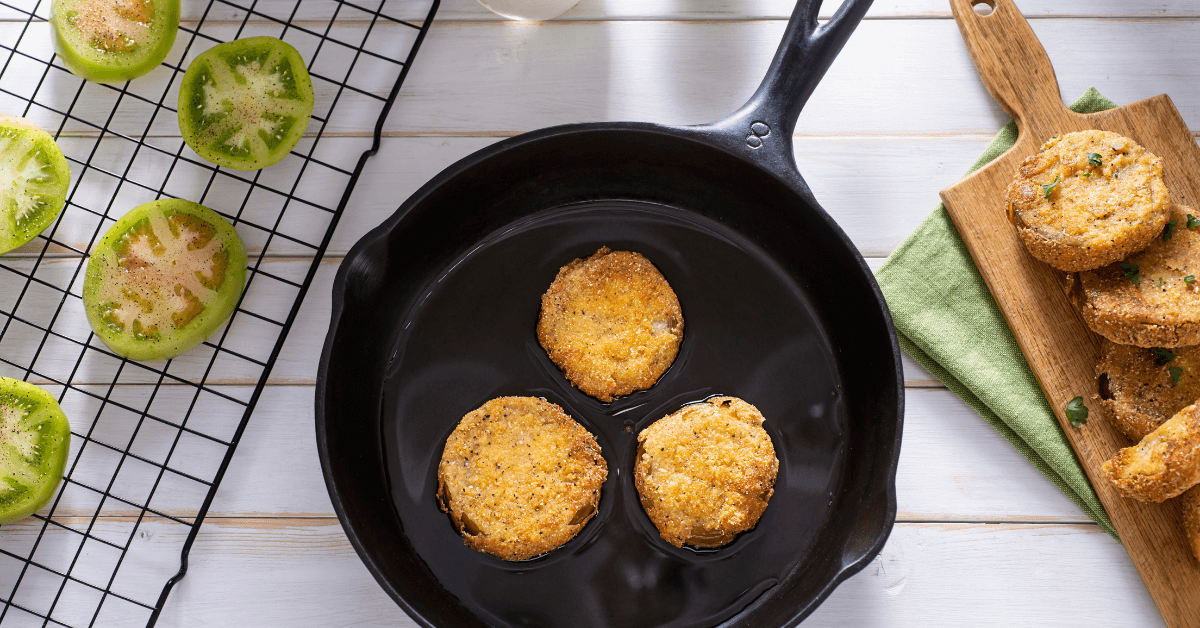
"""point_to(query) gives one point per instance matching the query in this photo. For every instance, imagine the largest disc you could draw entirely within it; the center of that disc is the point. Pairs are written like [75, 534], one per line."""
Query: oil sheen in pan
[749, 332]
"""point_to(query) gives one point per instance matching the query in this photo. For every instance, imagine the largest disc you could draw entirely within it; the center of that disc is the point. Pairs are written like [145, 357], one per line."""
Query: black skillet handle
[764, 125]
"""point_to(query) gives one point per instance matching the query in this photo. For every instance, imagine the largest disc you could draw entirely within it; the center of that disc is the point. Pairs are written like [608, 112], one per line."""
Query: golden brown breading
[706, 472]
[611, 323]
[1136, 387]
[1163, 308]
[1191, 518]
[1092, 215]
[1164, 464]
[519, 477]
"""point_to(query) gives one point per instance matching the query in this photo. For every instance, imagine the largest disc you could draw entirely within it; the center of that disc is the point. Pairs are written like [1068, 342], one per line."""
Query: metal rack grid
[151, 441]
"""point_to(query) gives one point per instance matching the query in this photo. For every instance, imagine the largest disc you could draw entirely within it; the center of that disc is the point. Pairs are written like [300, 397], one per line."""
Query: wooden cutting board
[1060, 348]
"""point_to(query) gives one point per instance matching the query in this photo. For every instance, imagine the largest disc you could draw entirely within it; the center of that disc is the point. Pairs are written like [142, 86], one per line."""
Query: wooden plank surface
[894, 77]
[500, 78]
[952, 453]
[906, 167]
[301, 563]
[901, 115]
[623, 10]
[303, 572]
[1060, 348]
[927, 575]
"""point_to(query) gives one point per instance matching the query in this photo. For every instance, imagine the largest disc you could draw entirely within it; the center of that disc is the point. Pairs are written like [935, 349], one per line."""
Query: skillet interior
[437, 313]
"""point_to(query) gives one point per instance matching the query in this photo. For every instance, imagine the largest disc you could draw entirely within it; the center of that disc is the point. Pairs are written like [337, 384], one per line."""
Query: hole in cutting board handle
[983, 8]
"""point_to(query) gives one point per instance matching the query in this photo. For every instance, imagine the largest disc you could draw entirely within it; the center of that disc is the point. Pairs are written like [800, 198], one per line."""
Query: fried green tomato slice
[1152, 298]
[163, 279]
[34, 441]
[1163, 464]
[519, 477]
[1141, 388]
[113, 41]
[246, 103]
[611, 322]
[34, 179]
[1088, 199]
[706, 472]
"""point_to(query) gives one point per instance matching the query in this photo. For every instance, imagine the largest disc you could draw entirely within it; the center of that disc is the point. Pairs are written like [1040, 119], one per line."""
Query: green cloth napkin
[948, 322]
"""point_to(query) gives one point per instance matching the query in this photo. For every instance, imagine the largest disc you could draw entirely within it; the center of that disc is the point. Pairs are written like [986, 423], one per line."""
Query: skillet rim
[708, 136]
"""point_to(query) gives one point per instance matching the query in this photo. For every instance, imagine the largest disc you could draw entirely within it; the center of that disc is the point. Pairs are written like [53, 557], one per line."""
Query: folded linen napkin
[948, 322]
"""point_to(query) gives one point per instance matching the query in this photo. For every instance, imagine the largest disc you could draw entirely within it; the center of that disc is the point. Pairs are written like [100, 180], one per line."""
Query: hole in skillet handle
[983, 8]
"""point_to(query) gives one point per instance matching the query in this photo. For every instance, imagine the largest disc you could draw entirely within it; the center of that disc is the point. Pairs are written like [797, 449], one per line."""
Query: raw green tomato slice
[113, 41]
[163, 279]
[34, 179]
[34, 441]
[244, 104]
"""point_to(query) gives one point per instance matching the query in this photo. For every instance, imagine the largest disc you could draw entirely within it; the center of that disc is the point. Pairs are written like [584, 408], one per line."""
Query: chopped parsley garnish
[1076, 412]
[1170, 229]
[1131, 272]
[1095, 159]
[1049, 189]
[1192, 223]
[1086, 175]
[1176, 375]
[1189, 279]
[1162, 356]
[1160, 282]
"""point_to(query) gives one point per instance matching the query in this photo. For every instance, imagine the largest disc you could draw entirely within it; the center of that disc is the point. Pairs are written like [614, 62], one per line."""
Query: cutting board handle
[1010, 59]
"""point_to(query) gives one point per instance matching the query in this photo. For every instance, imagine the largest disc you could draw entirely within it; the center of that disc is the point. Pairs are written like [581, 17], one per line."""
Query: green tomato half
[113, 41]
[35, 439]
[34, 180]
[246, 103]
[163, 279]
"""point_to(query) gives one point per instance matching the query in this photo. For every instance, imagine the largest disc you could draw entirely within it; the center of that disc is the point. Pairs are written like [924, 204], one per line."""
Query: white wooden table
[981, 537]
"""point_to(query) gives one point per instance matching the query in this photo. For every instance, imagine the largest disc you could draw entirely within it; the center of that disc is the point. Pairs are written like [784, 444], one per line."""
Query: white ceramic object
[529, 10]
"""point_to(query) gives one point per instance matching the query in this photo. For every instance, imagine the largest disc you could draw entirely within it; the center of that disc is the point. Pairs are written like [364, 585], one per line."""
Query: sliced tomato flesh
[35, 439]
[111, 41]
[118, 26]
[34, 179]
[163, 279]
[246, 103]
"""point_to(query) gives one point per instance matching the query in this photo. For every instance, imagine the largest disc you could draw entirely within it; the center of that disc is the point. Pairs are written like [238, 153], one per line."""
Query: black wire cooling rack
[151, 441]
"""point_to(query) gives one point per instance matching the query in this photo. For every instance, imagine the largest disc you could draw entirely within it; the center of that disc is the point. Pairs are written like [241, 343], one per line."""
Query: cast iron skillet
[434, 314]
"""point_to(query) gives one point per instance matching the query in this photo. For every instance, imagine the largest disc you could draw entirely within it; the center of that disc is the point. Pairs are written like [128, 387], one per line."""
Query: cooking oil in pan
[750, 331]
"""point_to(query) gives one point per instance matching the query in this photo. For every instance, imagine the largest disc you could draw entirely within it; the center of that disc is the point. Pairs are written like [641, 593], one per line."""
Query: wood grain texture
[258, 573]
[893, 77]
[953, 467]
[1060, 348]
[665, 60]
[904, 172]
[624, 10]
[274, 572]
[501, 78]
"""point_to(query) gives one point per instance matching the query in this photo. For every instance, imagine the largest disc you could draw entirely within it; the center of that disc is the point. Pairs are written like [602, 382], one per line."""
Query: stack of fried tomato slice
[163, 279]
[35, 439]
[246, 103]
[113, 41]
[34, 179]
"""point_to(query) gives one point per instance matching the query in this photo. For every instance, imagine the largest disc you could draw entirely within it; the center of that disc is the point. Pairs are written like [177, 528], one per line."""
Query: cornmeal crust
[1191, 518]
[611, 322]
[706, 472]
[1163, 308]
[1092, 215]
[1164, 464]
[1136, 388]
[519, 477]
